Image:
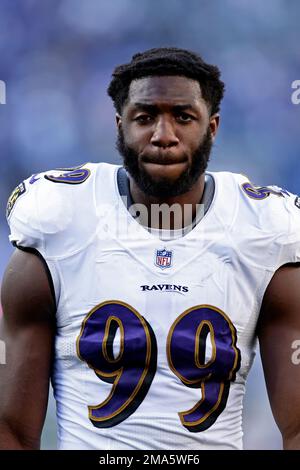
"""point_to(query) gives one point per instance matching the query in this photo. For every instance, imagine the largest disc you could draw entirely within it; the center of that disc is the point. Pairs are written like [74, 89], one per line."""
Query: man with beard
[155, 319]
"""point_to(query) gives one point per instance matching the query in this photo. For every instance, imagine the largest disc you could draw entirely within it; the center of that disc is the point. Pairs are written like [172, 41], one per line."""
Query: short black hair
[164, 61]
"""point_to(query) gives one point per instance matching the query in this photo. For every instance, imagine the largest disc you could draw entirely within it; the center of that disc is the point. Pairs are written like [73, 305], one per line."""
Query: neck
[168, 213]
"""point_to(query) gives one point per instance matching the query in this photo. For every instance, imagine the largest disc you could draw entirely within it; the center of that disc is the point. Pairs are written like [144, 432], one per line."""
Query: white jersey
[154, 338]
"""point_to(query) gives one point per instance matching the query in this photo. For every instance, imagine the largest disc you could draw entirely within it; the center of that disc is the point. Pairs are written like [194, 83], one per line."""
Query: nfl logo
[163, 258]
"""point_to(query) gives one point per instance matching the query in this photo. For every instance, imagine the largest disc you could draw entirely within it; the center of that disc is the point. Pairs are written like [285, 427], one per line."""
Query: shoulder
[276, 206]
[269, 200]
[52, 203]
[266, 219]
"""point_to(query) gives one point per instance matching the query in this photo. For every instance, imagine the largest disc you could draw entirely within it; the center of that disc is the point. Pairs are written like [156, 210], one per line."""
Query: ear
[214, 122]
[118, 120]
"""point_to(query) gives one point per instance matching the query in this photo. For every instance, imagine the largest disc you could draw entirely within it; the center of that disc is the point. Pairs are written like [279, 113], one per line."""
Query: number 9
[186, 347]
[131, 372]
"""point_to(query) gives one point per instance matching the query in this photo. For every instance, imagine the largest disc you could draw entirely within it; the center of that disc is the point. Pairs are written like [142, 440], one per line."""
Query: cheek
[190, 138]
[136, 137]
[198, 135]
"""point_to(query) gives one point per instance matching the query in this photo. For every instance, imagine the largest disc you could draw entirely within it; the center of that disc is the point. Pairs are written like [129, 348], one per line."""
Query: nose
[164, 135]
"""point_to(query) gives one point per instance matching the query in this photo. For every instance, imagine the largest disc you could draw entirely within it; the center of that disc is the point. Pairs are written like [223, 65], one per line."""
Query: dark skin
[278, 327]
[27, 327]
[28, 323]
[166, 117]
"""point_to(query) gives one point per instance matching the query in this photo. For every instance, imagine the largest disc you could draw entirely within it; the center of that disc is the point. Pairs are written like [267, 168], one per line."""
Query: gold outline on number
[106, 336]
[198, 333]
[117, 373]
[182, 414]
[256, 190]
[55, 179]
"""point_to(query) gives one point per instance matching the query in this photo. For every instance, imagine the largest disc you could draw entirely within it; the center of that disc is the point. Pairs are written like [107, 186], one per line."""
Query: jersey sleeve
[53, 212]
[290, 236]
[269, 224]
[22, 217]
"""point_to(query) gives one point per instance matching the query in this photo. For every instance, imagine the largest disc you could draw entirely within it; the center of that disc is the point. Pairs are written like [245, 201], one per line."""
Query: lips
[164, 159]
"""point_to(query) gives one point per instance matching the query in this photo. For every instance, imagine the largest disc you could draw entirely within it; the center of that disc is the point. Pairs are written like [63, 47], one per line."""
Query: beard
[164, 188]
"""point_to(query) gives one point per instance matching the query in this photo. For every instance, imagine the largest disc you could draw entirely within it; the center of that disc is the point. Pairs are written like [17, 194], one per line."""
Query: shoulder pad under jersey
[268, 221]
[53, 211]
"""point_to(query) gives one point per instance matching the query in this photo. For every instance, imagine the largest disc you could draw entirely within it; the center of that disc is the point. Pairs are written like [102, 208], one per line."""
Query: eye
[184, 117]
[143, 118]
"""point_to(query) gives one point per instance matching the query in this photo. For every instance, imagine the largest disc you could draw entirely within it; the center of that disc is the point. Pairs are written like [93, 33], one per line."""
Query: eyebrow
[154, 108]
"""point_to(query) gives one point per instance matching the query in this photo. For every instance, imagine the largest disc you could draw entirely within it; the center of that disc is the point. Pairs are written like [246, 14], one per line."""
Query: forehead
[166, 89]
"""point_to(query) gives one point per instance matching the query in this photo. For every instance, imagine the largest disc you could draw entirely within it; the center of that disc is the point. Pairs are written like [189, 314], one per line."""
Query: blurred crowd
[57, 56]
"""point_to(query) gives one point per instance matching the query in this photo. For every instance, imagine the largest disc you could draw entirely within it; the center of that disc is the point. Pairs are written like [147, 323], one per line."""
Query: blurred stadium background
[56, 58]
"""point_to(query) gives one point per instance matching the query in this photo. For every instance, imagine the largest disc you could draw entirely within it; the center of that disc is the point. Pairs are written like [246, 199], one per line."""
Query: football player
[141, 289]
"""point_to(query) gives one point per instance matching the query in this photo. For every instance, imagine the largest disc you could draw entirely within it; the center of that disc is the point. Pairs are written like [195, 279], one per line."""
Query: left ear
[118, 120]
[214, 122]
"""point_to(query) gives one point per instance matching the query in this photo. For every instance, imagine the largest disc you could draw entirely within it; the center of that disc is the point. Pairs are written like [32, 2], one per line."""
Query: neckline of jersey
[198, 227]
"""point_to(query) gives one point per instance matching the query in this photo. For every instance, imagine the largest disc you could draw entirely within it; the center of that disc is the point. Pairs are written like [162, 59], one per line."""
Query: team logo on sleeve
[163, 258]
[297, 202]
[17, 192]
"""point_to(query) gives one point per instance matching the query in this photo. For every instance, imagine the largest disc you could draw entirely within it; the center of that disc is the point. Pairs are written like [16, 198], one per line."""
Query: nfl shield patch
[163, 258]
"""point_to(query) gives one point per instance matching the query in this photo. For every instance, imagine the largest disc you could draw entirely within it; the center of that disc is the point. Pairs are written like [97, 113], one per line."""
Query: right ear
[118, 120]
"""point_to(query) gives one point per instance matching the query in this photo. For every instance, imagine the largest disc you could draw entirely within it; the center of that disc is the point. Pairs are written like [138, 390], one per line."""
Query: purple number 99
[132, 369]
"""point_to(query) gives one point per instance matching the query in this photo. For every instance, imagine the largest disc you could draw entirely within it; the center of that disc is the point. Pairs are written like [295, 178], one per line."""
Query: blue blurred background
[56, 58]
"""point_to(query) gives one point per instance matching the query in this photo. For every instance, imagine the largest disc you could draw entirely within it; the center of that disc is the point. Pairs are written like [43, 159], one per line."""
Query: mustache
[162, 188]
[163, 158]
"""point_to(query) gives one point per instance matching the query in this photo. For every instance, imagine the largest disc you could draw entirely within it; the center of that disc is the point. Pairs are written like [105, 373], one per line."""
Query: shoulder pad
[269, 218]
[52, 205]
